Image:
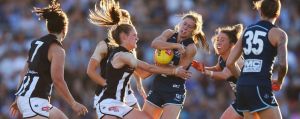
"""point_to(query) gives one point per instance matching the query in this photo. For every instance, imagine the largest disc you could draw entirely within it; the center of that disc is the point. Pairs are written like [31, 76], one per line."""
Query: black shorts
[234, 106]
[161, 99]
[254, 98]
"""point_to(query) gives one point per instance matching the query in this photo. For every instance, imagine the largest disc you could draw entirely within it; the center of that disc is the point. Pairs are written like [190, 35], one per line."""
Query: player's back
[259, 55]
[37, 82]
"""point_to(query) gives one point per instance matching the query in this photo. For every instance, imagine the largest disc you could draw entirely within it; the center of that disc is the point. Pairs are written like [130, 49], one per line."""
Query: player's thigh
[37, 117]
[152, 110]
[55, 113]
[230, 113]
[171, 111]
[136, 114]
[248, 115]
[271, 113]
[109, 117]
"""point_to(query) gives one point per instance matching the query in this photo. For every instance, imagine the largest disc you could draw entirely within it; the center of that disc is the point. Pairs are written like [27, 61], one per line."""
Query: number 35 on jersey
[254, 45]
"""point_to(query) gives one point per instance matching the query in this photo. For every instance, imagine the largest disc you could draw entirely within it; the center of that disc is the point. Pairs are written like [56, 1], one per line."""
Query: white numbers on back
[39, 44]
[254, 39]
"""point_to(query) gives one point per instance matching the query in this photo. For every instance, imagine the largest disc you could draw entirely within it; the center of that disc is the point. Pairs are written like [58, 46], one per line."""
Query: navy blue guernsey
[169, 82]
[222, 62]
[117, 79]
[102, 65]
[259, 55]
[232, 80]
[37, 81]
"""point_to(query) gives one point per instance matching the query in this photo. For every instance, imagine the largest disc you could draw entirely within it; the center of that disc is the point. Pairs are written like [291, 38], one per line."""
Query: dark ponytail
[233, 32]
[56, 19]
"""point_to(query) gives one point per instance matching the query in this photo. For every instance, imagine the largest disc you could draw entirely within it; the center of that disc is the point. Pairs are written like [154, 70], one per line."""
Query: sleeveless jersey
[170, 82]
[37, 82]
[117, 79]
[222, 62]
[102, 65]
[259, 55]
[231, 80]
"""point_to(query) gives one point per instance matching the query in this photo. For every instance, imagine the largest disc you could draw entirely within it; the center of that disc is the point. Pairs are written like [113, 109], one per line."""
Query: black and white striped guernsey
[37, 81]
[117, 79]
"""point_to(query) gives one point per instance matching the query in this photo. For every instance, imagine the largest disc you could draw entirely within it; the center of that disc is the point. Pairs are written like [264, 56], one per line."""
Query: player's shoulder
[168, 32]
[54, 47]
[277, 33]
[277, 30]
[126, 55]
[102, 43]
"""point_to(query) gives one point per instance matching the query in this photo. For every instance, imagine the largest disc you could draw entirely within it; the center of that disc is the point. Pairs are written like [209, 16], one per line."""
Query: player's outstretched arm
[130, 60]
[234, 55]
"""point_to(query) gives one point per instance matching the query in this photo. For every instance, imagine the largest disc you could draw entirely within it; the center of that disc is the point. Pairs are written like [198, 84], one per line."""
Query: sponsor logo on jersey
[176, 86]
[252, 65]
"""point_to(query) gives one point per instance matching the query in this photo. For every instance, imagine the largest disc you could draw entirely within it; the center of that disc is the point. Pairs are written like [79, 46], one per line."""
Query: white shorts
[31, 107]
[130, 99]
[112, 107]
[96, 100]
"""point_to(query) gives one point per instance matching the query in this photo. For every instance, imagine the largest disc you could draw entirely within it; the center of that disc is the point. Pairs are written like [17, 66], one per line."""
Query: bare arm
[57, 56]
[99, 53]
[282, 58]
[160, 41]
[22, 74]
[214, 68]
[120, 59]
[187, 57]
[218, 75]
[139, 85]
[281, 40]
[14, 110]
[141, 73]
[234, 55]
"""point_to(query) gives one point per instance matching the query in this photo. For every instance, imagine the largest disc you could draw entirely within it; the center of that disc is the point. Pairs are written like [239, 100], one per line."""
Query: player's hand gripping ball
[163, 56]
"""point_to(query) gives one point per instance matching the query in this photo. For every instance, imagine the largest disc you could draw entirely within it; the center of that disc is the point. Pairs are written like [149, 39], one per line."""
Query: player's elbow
[156, 43]
[230, 65]
[89, 72]
[57, 79]
[153, 44]
[283, 67]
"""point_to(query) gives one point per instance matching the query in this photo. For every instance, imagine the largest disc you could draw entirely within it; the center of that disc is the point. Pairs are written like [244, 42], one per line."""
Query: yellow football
[163, 56]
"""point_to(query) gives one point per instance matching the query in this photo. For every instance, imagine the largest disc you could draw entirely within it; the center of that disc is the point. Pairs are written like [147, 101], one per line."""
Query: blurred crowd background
[206, 98]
